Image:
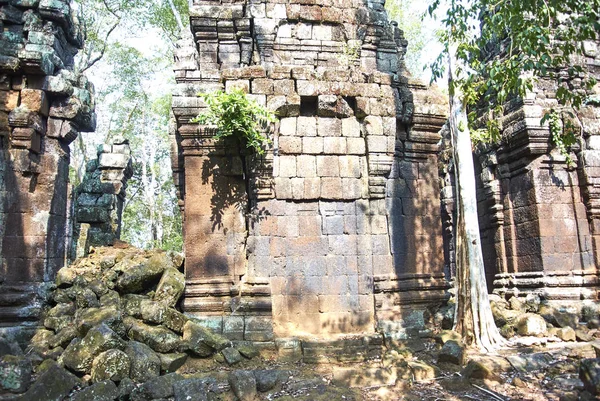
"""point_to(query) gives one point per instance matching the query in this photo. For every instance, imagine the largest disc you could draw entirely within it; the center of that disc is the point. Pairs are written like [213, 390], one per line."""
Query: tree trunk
[473, 318]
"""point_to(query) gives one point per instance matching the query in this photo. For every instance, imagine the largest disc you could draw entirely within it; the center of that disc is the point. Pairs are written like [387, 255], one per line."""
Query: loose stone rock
[243, 384]
[531, 325]
[191, 390]
[158, 387]
[53, 385]
[170, 288]
[15, 373]
[101, 391]
[452, 352]
[201, 340]
[145, 363]
[589, 373]
[158, 338]
[80, 354]
[266, 380]
[171, 362]
[231, 355]
[111, 365]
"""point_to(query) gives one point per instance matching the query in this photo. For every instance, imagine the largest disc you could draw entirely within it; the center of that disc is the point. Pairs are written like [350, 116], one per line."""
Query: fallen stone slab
[527, 363]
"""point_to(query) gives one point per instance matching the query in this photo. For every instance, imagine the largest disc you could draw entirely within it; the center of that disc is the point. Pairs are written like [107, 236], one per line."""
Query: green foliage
[502, 45]
[235, 115]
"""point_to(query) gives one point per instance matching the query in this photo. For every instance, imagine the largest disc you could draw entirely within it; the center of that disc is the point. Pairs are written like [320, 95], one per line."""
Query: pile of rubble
[114, 325]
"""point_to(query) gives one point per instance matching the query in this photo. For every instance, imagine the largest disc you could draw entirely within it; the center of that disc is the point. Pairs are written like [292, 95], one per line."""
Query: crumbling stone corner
[100, 198]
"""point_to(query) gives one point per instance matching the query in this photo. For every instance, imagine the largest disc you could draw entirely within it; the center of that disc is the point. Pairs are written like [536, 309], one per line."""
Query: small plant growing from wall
[237, 116]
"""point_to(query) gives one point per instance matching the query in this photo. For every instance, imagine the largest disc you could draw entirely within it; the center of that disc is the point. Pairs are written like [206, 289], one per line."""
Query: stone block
[35, 100]
[306, 126]
[312, 145]
[354, 188]
[333, 225]
[298, 188]
[284, 87]
[290, 145]
[373, 125]
[309, 225]
[350, 127]
[241, 84]
[328, 166]
[306, 165]
[327, 105]
[329, 127]
[334, 145]
[283, 188]
[350, 166]
[331, 188]
[356, 146]
[287, 126]
[287, 166]
[306, 88]
[262, 86]
[312, 188]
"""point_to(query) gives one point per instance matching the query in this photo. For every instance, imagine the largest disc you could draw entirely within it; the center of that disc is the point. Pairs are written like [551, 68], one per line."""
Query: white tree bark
[473, 318]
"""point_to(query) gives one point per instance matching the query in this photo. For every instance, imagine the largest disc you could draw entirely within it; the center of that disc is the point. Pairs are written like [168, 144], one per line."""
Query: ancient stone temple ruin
[336, 229]
[538, 214]
[43, 107]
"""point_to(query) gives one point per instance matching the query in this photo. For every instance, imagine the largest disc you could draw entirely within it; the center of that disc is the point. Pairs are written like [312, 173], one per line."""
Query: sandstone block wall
[43, 106]
[537, 214]
[100, 198]
[336, 228]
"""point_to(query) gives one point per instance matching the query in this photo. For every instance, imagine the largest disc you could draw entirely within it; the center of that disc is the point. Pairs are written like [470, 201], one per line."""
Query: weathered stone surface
[191, 390]
[170, 288]
[171, 362]
[452, 352]
[232, 356]
[243, 384]
[80, 354]
[266, 380]
[53, 385]
[137, 277]
[566, 334]
[201, 340]
[145, 363]
[158, 387]
[159, 338]
[110, 365]
[589, 373]
[531, 324]
[101, 391]
[16, 373]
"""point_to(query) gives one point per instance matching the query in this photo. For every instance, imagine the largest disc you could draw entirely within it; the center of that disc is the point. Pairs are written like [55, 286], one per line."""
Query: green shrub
[235, 115]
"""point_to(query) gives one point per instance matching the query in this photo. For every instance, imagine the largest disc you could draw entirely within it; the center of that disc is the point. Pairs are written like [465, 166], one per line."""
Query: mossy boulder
[170, 288]
[16, 373]
[52, 385]
[159, 338]
[145, 363]
[80, 353]
[201, 340]
[138, 277]
[112, 365]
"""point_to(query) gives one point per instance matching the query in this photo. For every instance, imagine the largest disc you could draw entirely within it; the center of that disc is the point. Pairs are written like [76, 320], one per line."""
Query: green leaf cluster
[503, 46]
[238, 116]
